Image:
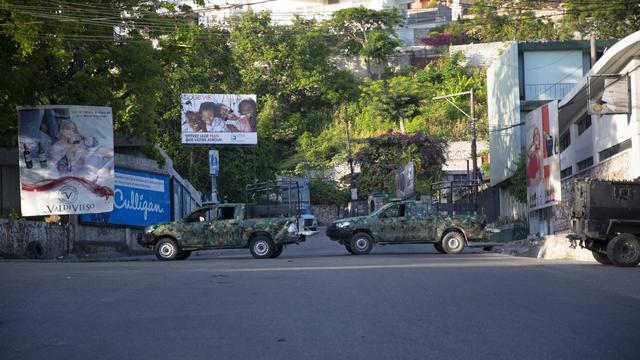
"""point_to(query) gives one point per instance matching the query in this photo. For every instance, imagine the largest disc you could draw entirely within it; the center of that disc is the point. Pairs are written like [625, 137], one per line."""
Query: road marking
[369, 267]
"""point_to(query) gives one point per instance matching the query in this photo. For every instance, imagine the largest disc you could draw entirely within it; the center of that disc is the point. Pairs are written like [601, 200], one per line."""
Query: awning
[612, 62]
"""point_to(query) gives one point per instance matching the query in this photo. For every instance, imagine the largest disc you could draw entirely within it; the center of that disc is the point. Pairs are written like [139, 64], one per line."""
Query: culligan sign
[140, 199]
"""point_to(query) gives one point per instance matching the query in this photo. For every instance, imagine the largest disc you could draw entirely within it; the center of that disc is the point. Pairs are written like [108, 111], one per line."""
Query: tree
[368, 33]
[384, 154]
[604, 20]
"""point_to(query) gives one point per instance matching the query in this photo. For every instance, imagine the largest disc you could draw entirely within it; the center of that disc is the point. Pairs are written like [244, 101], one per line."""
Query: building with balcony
[525, 76]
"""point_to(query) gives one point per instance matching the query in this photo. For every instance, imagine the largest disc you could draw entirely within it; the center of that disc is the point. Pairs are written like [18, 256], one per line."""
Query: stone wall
[615, 168]
[34, 239]
[326, 214]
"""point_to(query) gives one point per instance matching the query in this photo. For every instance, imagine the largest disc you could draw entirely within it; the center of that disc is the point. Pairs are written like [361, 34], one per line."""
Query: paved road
[317, 302]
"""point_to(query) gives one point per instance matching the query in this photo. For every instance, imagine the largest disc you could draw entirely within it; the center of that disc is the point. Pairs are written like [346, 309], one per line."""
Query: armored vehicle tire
[262, 247]
[601, 258]
[166, 249]
[624, 250]
[348, 247]
[439, 248]
[453, 243]
[361, 244]
[277, 251]
[183, 254]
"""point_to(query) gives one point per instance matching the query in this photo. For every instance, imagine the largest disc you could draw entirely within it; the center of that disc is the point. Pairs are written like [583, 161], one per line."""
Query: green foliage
[384, 154]
[604, 20]
[368, 33]
[327, 192]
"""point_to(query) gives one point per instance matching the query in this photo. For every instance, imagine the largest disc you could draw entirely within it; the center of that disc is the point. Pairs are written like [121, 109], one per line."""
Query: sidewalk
[551, 247]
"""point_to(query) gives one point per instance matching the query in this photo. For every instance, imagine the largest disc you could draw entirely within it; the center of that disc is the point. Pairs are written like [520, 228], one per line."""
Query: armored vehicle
[409, 222]
[264, 224]
[606, 220]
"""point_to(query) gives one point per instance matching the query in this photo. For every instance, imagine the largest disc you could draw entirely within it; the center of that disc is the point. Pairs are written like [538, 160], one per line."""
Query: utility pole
[352, 178]
[474, 133]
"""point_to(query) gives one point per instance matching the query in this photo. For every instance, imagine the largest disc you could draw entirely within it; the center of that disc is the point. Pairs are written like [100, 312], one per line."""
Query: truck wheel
[261, 247]
[166, 249]
[361, 244]
[348, 247]
[601, 258]
[624, 250]
[438, 247]
[277, 251]
[453, 243]
[183, 254]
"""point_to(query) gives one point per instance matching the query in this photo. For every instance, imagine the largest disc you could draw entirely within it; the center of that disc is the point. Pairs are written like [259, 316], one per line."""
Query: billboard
[543, 157]
[614, 97]
[140, 199]
[406, 180]
[210, 119]
[66, 159]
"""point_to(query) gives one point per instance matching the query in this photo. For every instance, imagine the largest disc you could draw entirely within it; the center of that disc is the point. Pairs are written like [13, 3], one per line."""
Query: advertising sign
[214, 162]
[406, 180]
[140, 199]
[219, 119]
[543, 157]
[66, 159]
[614, 98]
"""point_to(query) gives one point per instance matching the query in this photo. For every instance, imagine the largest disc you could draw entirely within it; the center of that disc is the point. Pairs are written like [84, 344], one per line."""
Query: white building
[523, 77]
[600, 146]
[458, 166]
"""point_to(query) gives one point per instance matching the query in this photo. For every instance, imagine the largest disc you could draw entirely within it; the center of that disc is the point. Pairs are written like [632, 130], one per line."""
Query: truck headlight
[343, 224]
[292, 228]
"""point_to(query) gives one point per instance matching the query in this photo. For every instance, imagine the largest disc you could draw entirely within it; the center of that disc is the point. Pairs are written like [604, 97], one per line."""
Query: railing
[547, 91]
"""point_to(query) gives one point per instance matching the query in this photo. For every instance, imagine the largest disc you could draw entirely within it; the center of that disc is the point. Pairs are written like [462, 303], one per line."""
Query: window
[394, 211]
[226, 213]
[332, 2]
[581, 165]
[566, 172]
[565, 140]
[584, 124]
[617, 148]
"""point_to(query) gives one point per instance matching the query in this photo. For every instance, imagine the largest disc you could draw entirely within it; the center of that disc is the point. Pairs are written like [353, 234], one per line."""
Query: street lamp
[472, 120]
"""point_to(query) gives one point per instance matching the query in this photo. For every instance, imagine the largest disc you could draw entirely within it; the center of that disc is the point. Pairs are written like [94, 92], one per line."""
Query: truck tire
[601, 258]
[348, 247]
[166, 249]
[439, 248]
[261, 247]
[361, 243]
[624, 250]
[278, 251]
[453, 243]
[182, 255]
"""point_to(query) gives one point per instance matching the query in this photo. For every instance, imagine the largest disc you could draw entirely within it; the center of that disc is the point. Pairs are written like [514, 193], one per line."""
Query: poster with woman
[210, 119]
[66, 159]
[542, 157]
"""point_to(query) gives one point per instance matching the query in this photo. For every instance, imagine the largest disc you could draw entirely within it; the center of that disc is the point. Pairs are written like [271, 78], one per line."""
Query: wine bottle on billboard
[27, 156]
[42, 156]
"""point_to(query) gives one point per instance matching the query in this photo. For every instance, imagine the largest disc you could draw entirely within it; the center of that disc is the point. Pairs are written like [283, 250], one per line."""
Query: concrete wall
[482, 55]
[49, 240]
[503, 101]
[326, 214]
[617, 167]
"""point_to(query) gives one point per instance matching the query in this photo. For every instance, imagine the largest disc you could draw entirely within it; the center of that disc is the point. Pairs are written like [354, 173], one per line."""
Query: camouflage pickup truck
[409, 222]
[222, 226]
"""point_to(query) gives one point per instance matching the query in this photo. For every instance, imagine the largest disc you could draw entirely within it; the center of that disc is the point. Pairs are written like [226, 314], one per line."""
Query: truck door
[421, 223]
[195, 231]
[226, 228]
[392, 223]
